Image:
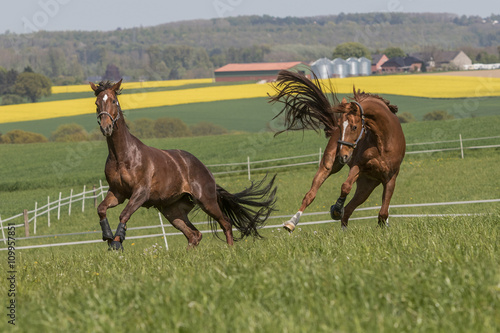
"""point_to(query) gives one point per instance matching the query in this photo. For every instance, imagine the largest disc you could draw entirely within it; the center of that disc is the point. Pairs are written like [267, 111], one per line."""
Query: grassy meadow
[423, 274]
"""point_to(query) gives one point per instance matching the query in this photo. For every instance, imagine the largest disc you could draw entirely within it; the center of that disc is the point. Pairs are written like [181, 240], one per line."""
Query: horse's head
[108, 108]
[351, 121]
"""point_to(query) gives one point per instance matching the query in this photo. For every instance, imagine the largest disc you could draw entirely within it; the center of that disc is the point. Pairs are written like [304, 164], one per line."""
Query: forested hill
[194, 48]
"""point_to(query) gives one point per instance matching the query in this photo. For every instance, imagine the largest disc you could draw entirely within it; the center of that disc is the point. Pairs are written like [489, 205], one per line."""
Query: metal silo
[339, 67]
[365, 66]
[322, 68]
[353, 66]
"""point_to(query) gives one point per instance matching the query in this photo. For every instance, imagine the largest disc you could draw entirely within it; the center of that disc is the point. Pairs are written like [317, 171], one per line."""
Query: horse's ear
[116, 86]
[344, 100]
[93, 86]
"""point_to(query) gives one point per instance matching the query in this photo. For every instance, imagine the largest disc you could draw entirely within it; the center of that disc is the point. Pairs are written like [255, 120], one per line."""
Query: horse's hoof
[289, 226]
[115, 245]
[336, 213]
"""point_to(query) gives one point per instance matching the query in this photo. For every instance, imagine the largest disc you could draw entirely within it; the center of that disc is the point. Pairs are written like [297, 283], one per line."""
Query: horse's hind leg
[364, 187]
[177, 214]
[383, 214]
[208, 203]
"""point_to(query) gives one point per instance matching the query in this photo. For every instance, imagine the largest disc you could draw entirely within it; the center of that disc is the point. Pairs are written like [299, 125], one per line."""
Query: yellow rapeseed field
[406, 85]
[132, 85]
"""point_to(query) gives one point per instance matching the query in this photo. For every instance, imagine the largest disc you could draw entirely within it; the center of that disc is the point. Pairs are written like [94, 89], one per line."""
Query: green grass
[420, 275]
[255, 114]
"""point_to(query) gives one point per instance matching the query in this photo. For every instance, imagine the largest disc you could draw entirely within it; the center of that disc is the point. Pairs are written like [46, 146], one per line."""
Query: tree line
[192, 49]
[143, 128]
[16, 88]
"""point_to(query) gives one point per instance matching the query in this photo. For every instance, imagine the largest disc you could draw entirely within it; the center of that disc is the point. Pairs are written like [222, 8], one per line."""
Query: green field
[255, 114]
[423, 274]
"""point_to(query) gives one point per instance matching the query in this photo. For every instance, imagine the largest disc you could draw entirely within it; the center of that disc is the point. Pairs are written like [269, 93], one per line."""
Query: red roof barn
[257, 71]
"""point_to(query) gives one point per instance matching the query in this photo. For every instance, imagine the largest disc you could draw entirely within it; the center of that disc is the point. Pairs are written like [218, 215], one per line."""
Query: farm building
[402, 64]
[445, 59]
[377, 61]
[267, 71]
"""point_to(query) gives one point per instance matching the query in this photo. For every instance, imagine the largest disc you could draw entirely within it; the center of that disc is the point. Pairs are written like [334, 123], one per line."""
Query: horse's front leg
[110, 201]
[138, 198]
[337, 210]
[328, 166]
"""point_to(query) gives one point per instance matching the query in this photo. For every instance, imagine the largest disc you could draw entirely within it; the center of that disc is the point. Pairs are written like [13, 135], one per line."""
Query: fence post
[59, 207]
[248, 164]
[3, 232]
[319, 160]
[83, 199]
[95, 197]
[26, 223]
[48, 211]
[461, 146]
[163, 230]
[70, 197]
[100, 186]
[34, 220]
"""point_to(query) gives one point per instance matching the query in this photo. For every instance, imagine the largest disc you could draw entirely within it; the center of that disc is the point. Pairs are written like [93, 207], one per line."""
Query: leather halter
[113, 121]
[355, 144]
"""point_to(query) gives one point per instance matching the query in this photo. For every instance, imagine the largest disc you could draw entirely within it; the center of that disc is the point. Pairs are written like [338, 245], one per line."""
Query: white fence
[164, 234]
[240, 167]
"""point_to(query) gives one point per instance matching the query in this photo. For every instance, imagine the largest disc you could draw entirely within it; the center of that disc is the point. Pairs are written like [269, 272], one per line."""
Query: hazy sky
[21, 16]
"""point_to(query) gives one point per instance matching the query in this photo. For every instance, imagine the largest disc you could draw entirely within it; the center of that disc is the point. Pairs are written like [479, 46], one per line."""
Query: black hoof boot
[115, 245]
[121, 230]
[107, 234]
[337, 210]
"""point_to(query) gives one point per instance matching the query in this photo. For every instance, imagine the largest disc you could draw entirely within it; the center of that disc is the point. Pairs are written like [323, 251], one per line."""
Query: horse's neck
[378, 117]
[121, 141]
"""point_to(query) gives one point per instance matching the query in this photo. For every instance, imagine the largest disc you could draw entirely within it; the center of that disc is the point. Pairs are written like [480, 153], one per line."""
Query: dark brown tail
[305, 104]
[249, 209]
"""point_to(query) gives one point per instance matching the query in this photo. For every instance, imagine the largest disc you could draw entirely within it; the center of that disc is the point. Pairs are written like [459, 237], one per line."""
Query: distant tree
[143, 128]
[406, 117]
[9, 99]
[207, 128]
[69, 133]
[351, 49]
[28, 69]
[7, 80]
[392, 52]
[170, 127]
[19, 136]
[32, 85]
[437, 115]
[112, 73]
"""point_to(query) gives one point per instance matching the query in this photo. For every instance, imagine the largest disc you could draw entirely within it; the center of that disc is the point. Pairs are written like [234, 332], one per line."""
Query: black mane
[105, 85]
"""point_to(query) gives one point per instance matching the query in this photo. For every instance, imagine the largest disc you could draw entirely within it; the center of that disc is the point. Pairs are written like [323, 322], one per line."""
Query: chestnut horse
[173, 181]
[364, 133]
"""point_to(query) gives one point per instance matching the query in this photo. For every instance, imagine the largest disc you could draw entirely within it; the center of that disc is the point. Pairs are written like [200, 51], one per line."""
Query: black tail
[249, 209]
[305, 104]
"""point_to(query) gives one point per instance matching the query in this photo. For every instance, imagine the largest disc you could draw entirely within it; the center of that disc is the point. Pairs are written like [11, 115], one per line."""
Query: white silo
[339, 67]
[365, 66]
[353, 66]
[322, 68]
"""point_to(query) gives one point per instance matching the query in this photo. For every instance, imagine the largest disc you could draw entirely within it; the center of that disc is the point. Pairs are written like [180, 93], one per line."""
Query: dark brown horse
[364, 133]
[173, 181]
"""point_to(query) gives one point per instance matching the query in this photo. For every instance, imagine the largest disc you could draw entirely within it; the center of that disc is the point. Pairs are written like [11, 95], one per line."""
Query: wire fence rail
[165, 234]
[29, 217]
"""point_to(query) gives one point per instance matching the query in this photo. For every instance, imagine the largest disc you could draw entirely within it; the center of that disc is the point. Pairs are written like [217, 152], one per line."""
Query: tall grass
[424, 274]
[420, 275]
